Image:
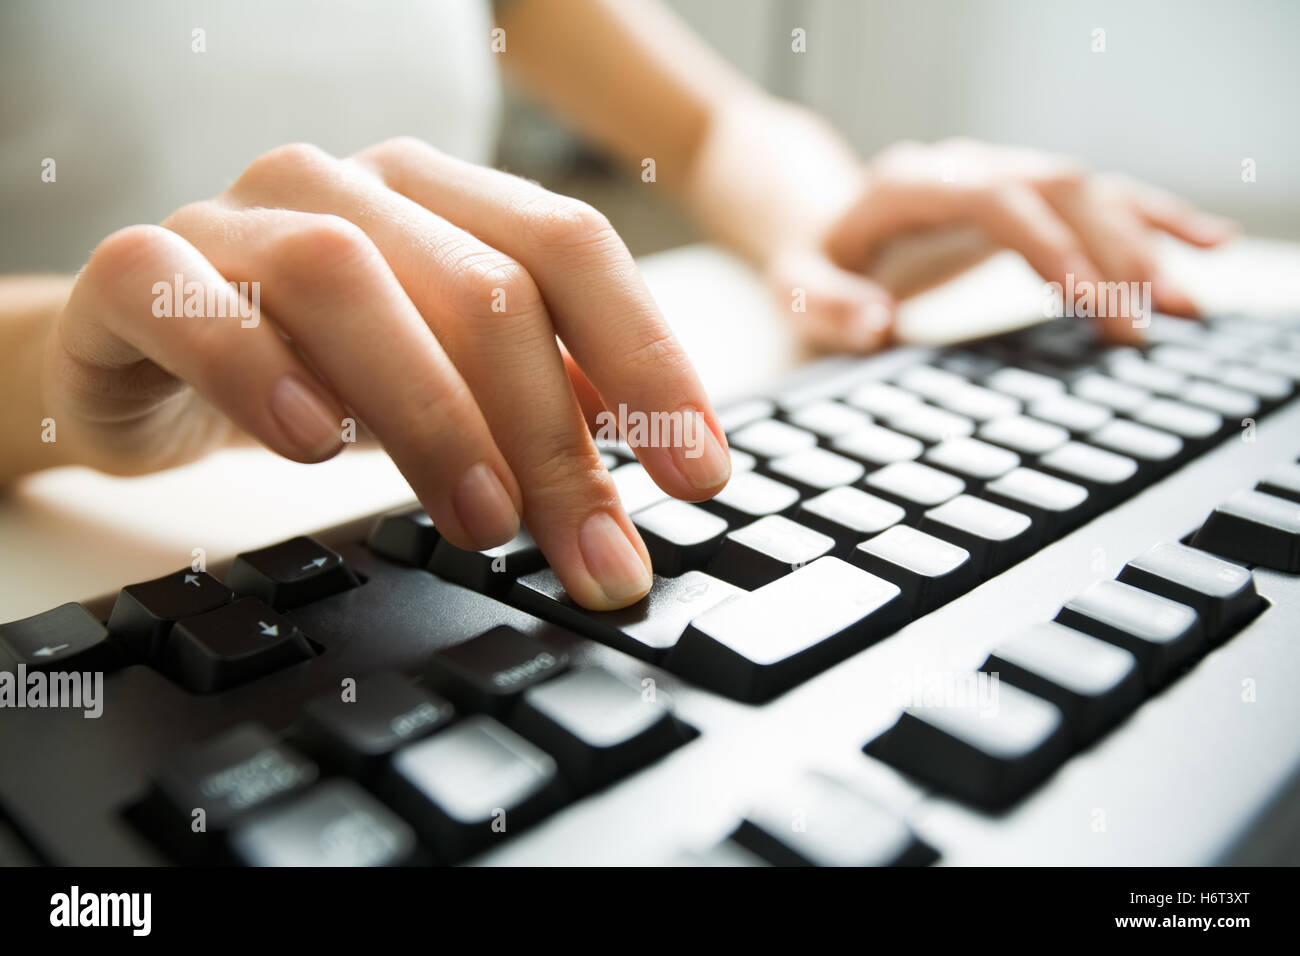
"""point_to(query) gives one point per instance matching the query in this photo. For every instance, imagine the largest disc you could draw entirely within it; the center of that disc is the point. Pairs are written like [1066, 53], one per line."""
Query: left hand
[1061, 218]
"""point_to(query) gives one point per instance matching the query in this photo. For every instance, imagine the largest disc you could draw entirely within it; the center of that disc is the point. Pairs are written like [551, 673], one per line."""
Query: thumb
[833, 308]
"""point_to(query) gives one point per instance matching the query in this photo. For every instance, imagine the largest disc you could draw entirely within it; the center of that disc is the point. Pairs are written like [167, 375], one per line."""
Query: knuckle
[190, 214]
[485, 282]
[561, 223]
[657, 355]
[569, 462]
[281, 164]
[320, 245]
[130, 251]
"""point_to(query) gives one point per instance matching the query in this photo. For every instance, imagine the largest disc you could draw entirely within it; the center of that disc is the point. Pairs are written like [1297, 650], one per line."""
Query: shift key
[758, 644]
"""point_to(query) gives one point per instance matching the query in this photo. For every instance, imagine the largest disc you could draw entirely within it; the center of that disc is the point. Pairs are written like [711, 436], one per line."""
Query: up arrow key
[192, 579]
[269, 630]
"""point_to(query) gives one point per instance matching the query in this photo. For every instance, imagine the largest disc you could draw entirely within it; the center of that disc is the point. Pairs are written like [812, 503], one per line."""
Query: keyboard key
[980, 404]
[1269, 387]
[1055, 505]
[489, 672]
[636, 489]
[932, 383]
[882, 399]
[971, 459]
[996, 537]
[848, 515]
[679, 536]
[1102, 472]
[290, 574]
[1027, 386]
[1095, 684]
[597, 727]
[1180, 419]
[647, 629]
[772, 439]
[1255, 528]
[749, 496]
[407, 537]
[756, 645]
[987, 752]
[761, 552]
[815, 470]
[334, 824]
[67, 637]
[1189, 361]
[227, 777]
[914, 486]
[1162, 634]
[1147, 445]
[741, 461]
[931, 424]
[491, 571]
[1229, 402]
[1283, 481]
[878, 446]
[356, 733]
[471, 784]
[735, 417]
[232, 645]
[968, 364]
[828, 418]
[1116, 395]
[1071, 413]
[1222, 594]
[818, 821]
[1281, 363]
[1024, 435]
[928, 570]
[144, 613]
[1126, 367]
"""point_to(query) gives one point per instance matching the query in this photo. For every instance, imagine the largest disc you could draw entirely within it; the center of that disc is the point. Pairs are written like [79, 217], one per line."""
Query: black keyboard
[1027, 599]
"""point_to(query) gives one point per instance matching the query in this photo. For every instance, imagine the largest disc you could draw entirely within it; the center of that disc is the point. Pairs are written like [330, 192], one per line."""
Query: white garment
[138, 122]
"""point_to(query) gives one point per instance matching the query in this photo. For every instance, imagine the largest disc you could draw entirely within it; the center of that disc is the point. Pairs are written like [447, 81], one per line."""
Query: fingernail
[305, 418]
[612, 561]
[484, 508]
[700, 456]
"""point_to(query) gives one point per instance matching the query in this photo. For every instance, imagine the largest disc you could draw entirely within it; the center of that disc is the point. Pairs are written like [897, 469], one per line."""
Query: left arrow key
[64, 637]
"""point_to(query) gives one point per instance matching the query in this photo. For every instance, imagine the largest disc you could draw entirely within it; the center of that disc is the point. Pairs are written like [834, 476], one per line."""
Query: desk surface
[70, 533]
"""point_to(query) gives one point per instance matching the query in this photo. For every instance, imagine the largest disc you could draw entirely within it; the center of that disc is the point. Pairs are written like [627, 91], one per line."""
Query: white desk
[70, 534]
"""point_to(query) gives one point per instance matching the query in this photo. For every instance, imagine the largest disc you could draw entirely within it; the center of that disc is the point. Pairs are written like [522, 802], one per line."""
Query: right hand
[421, 295]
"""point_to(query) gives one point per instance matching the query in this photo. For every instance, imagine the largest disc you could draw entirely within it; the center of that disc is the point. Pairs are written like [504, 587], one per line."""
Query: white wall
[1183, 93]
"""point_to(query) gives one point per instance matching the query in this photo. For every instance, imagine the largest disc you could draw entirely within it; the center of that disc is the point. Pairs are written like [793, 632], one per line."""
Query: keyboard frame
[1195, 776]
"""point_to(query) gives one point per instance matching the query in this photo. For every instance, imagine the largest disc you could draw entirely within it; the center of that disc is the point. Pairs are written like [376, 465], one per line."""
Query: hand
[1063, 220]
[422, 295]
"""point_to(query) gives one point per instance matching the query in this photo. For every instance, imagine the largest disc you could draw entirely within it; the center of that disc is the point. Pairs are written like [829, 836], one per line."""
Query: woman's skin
[424, 295]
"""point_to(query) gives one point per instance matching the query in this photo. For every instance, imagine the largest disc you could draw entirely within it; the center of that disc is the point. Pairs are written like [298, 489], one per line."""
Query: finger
[326, 286]
[595, 297]
[487, 313]
[1166, 212]
[1121, 244]
[148, 293]
[833, 308]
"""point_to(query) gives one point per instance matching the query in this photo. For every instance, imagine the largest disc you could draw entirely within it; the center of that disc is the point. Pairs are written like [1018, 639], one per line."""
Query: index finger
[596, 298]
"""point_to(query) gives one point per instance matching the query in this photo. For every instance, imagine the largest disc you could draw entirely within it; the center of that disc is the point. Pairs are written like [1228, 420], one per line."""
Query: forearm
[629, 77]
[28, 439]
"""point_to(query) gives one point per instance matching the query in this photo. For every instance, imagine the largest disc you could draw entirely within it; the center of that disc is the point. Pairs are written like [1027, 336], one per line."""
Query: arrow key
[144, 613]
[232, 645]
[291, 573]
[67, 636]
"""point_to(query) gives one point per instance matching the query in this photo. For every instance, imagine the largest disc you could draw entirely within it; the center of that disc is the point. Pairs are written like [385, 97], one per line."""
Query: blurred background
[1181, 93]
